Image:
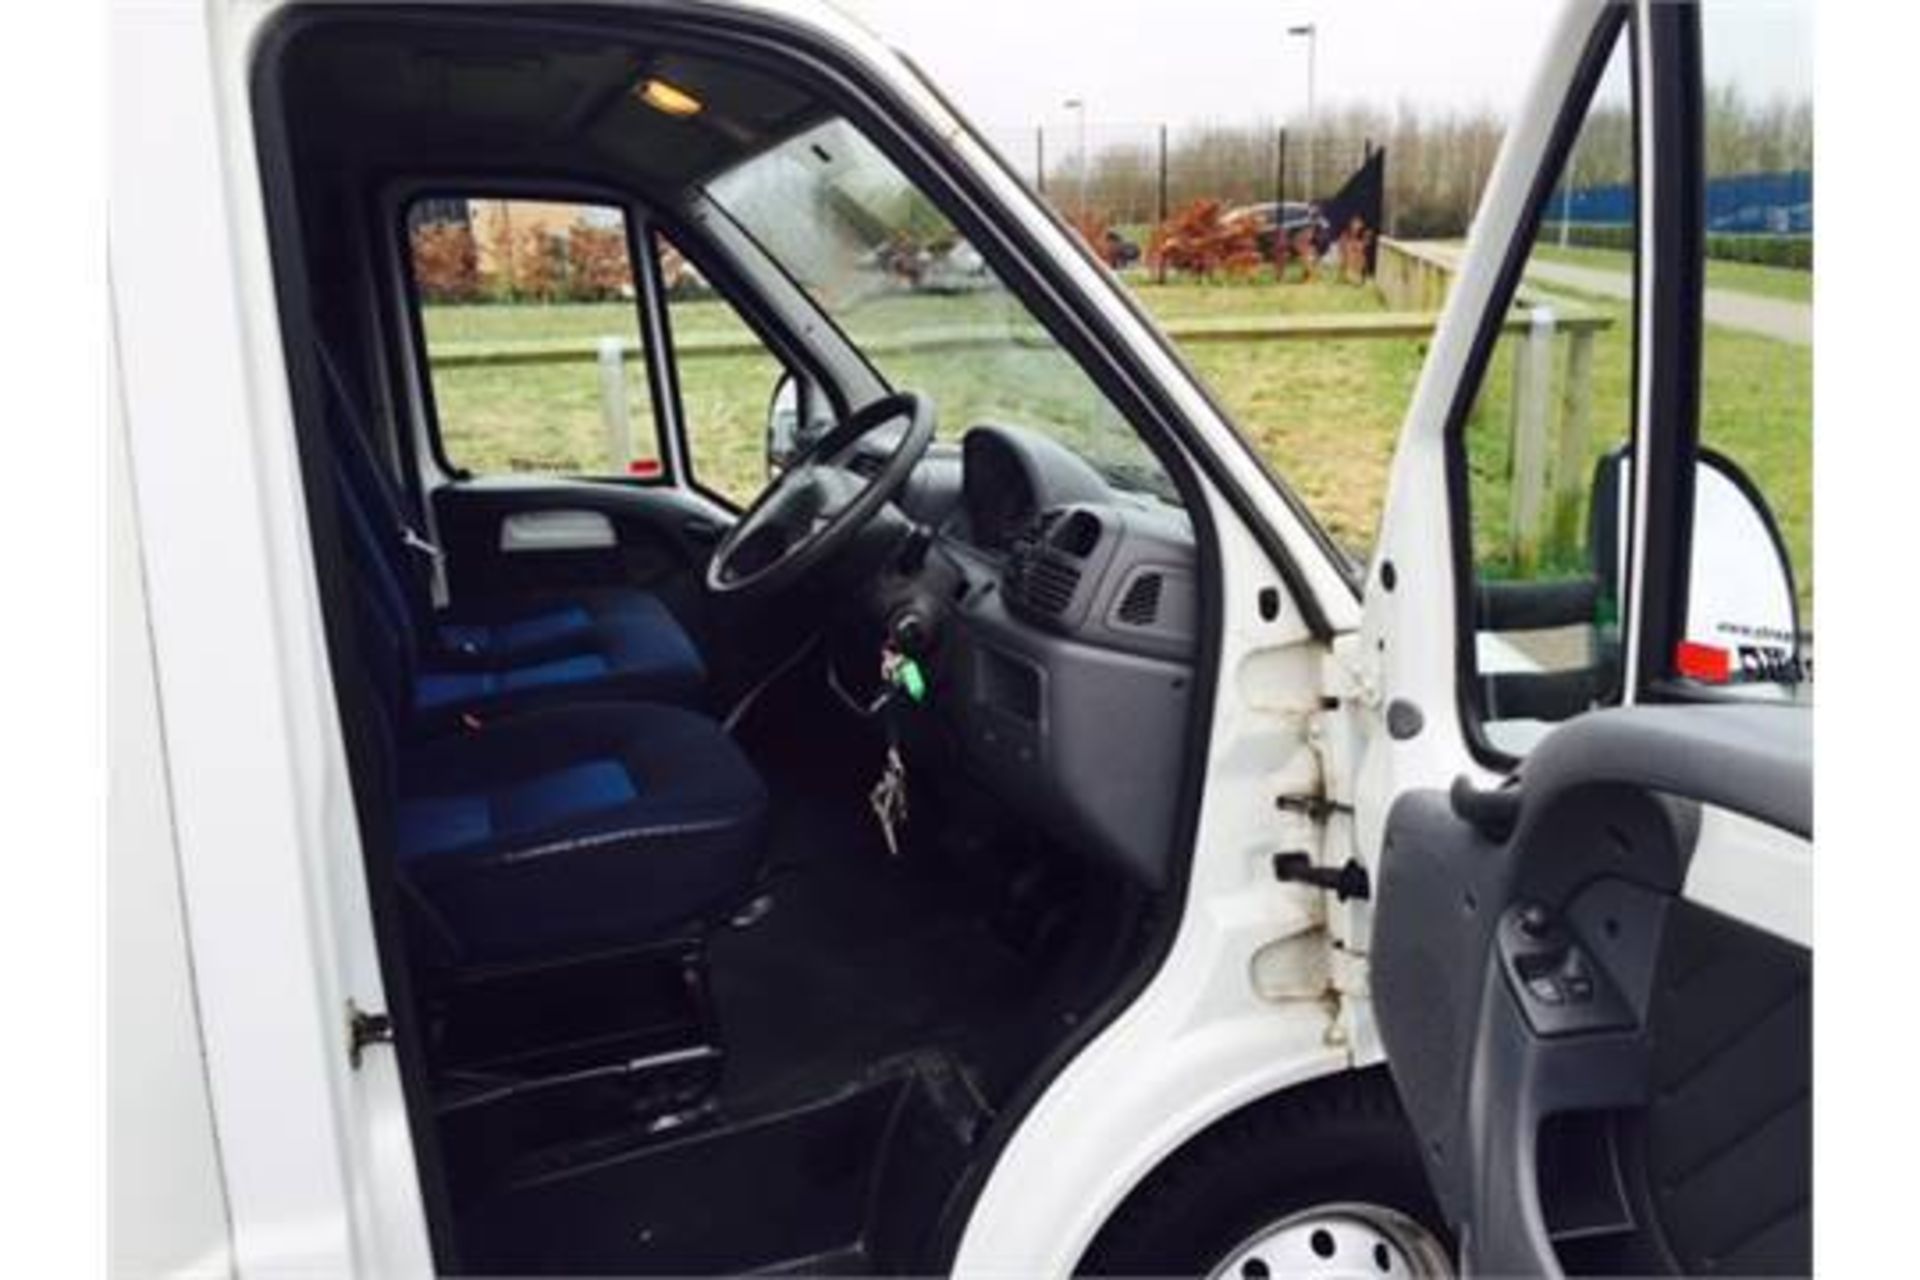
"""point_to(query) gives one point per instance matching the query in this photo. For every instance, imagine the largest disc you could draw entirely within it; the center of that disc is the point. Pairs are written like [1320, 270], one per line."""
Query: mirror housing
[797, 415]
[1741, 598]
[1743, 612]
[1743, 620]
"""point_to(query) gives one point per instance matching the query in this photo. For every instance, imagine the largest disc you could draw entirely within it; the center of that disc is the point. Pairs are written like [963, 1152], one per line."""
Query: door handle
[701, 529]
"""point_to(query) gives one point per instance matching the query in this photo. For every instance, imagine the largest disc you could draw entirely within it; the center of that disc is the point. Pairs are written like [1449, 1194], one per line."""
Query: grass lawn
[1757, 408]
[1781, 283]
[1325, 414]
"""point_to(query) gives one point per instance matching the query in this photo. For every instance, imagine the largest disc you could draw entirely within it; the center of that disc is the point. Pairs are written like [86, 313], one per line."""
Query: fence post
[614, 414]
[1160, 262]
[1279, 174]
[1529, 445]
[1573, 457]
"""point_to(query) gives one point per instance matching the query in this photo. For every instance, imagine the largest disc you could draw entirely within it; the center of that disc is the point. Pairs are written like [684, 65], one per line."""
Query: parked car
[956, 268]
[1289, 218]
[1010, 839]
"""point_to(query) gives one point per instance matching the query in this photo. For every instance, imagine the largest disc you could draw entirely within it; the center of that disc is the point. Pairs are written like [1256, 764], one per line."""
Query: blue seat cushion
[513, 656]
[521, 633]
[438, 690]
[431, 824]
[496, 655]
[577, 828]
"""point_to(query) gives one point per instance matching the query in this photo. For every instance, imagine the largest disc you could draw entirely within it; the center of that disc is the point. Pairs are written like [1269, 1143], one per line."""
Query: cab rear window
[529, 317]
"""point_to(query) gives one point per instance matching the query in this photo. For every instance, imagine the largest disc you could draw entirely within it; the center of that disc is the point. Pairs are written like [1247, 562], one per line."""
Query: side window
[727, 379]
[533, 347]
[1543, 446]
[1749, 617]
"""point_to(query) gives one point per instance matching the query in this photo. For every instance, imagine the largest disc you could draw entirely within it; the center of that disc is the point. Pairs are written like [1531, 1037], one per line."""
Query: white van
[972, 821]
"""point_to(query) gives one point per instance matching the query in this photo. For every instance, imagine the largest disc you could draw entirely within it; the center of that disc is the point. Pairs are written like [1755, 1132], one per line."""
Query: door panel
[1605, 1075]
[1726, 1141]
[507, 536]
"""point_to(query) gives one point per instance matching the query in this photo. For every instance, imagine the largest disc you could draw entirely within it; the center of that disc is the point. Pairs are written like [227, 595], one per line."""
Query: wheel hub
[1337, 1242]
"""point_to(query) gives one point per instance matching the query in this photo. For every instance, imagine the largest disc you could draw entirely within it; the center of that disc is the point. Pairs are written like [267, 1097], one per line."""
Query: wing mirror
[1743, 612]
[797, 415]
[1743, 621]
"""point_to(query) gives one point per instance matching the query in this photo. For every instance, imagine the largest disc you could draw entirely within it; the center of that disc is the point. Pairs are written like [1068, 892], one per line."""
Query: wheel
[1322, 1181]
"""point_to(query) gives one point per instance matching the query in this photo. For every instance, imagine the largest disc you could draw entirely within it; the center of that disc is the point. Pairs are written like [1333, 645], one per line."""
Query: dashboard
[1058, 620]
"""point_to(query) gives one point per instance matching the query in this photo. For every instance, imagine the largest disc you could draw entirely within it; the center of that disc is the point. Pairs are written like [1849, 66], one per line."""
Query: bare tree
[1438, 162]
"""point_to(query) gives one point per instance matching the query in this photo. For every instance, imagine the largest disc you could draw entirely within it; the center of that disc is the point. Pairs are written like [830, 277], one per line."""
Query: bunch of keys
[888, 799]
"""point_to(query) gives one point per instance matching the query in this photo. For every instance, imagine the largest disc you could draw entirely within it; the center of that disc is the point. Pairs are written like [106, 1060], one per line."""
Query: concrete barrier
[1410, 277]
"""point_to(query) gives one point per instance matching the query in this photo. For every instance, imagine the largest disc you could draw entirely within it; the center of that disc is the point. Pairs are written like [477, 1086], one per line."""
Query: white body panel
[166, 1205]
[317, 1162]
[1411, 627]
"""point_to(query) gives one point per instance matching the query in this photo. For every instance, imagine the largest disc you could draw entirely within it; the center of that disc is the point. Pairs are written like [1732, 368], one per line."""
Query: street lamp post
[1079, 107]
[1306, 31]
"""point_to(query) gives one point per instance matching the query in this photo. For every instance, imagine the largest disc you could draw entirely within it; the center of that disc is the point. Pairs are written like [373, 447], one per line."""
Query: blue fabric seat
[576, 829]
[573, 826]
[625, 645]
[498, 656]
[557, 831]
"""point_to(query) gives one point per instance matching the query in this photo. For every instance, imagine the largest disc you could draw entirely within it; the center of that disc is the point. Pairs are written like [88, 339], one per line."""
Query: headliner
[424, 92]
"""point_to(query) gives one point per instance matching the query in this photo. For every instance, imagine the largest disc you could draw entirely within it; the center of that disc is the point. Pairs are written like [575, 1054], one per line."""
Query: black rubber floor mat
[862, 958]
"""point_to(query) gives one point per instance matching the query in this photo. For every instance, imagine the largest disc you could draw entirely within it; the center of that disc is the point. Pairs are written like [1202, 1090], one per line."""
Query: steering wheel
[819, 504]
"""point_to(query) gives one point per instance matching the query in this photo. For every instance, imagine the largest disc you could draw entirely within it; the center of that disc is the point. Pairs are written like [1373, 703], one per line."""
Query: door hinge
[364, 1029]
[1345, 882]
[1315, 809]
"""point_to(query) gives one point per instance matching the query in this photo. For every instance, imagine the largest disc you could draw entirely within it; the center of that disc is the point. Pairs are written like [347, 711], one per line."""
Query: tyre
[1322, 1181]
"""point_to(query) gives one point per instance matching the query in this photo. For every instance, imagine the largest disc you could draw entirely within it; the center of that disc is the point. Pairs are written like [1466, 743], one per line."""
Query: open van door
[1588, 802]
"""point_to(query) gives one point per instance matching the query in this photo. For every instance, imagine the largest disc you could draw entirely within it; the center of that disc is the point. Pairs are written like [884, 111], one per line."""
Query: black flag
[1364, 194]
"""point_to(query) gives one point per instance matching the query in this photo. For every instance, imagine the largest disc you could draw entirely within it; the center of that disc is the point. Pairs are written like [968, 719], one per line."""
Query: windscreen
[921, 304]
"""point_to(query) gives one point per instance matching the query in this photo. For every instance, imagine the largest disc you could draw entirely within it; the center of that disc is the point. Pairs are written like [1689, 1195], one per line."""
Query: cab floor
[871, 1018]
[861, 958]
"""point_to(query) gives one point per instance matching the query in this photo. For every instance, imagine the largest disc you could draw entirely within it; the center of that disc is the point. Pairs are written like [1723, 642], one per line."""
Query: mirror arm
[1535, 606]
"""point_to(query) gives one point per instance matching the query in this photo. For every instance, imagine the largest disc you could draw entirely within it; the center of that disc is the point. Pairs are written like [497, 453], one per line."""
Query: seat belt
[407, 532]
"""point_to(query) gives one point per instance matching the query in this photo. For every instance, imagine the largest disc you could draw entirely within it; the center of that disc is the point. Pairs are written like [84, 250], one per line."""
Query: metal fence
[1134, 175]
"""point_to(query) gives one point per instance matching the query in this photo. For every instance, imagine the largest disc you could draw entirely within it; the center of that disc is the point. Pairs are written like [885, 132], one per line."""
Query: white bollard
[614, 414]
[1532, 442]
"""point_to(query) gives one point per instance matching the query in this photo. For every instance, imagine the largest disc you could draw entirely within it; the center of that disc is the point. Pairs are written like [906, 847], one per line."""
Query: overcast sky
[1012, 63]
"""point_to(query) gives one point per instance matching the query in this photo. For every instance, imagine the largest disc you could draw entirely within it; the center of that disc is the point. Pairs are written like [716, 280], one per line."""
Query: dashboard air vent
[1078, 534]
[1140, 607]
[1047, 585]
